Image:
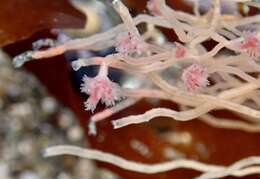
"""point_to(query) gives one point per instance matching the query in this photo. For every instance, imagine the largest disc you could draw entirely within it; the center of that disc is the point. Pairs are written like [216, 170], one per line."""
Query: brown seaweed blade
[19, 19]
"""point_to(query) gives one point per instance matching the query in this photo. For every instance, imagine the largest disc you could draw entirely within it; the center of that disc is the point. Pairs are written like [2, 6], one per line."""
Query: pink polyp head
[251, 44]
[130, 43]
[100, 88]
[195, 77]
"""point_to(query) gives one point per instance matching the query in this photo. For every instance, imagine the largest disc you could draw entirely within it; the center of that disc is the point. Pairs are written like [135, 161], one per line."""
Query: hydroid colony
[224, 77]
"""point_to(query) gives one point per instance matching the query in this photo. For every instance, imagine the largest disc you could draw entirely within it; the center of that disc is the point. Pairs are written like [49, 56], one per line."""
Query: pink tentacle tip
[100, 88]
[251, 44]
[130, 43]
[195, 77]
[152, 7]
[180, 50]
